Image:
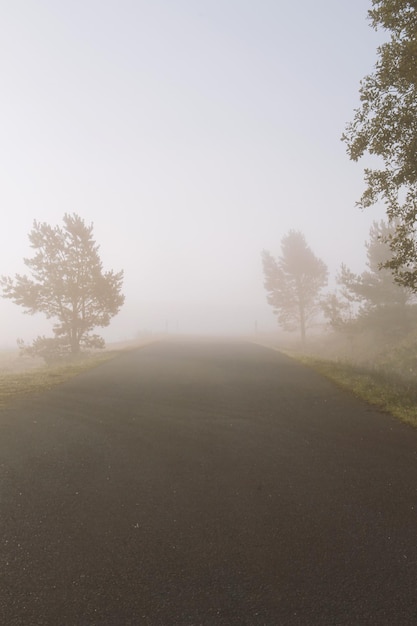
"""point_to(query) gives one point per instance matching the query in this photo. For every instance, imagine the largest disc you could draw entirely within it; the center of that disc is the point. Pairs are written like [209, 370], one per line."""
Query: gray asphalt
[205, 483]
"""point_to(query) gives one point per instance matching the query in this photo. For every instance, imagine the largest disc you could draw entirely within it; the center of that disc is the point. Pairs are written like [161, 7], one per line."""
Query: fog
[193, 135]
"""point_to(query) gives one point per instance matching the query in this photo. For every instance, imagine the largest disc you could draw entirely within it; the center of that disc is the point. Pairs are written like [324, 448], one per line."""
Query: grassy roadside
[42, 378]
[382, 390]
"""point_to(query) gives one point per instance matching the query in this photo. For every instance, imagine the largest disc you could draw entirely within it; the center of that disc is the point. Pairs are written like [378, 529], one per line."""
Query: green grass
[386, 391]
[42, 378]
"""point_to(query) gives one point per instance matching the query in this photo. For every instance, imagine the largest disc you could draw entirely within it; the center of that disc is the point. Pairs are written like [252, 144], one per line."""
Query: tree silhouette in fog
[383, 304]
[68, 285]
[376, 286]
[293, 282]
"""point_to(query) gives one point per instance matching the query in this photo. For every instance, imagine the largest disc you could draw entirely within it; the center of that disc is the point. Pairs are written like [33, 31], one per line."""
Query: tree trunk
[302, 314]
[302, 327]
[75, 344]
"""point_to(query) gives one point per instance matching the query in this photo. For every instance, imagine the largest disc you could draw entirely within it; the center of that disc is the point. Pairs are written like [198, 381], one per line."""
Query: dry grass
[380, 389]
[386, 389]
[20, 378]
[25, 375]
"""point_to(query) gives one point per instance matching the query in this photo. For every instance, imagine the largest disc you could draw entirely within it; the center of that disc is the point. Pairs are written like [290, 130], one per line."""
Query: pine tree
[68, 285]
[383, 305]
[294, 282]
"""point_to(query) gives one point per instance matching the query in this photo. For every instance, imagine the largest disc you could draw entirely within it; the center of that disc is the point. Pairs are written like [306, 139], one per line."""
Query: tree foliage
[293, 282]
[68, 285]
[338, 311]
[381, 304]
[375, 286]
[385, 125]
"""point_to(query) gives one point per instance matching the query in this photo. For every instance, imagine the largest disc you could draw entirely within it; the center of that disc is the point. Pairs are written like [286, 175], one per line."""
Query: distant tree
[68, 285]
[381, 302]
[385, 125]
[294, 282]
[337, 309]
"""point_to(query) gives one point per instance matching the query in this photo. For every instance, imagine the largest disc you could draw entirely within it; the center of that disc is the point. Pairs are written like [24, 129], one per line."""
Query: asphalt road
[205, 483]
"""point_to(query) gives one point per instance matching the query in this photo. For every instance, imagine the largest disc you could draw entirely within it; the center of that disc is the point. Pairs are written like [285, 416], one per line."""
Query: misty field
[383, 373]
[22, 375]
[383, 376]
[387, 391]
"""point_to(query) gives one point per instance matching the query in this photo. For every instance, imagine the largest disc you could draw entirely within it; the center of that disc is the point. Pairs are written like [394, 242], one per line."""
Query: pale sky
[193, 134]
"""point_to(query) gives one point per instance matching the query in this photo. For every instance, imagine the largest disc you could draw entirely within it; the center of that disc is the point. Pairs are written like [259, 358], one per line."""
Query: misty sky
[194, 134]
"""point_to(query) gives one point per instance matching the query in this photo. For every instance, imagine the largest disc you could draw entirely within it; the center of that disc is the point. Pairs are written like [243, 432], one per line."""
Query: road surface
[205, 483]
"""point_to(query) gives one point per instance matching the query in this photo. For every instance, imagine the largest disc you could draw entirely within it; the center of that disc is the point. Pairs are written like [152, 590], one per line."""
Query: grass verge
[42, 378]
[384, 390]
